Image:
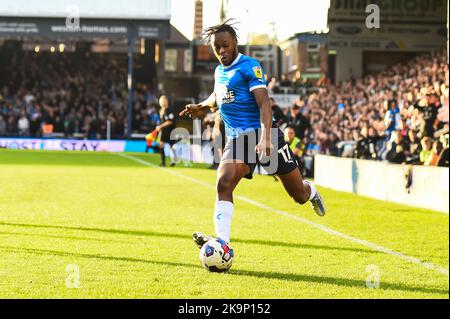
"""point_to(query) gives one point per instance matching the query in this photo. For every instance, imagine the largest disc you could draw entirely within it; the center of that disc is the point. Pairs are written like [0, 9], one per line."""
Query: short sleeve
[255, 76]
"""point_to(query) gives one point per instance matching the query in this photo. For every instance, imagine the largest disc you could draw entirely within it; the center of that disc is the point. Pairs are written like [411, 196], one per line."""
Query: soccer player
[240, 93]
[165, 128]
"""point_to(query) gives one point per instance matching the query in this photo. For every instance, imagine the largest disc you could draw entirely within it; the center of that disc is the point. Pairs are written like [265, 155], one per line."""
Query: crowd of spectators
[72, 94]
[399, 115]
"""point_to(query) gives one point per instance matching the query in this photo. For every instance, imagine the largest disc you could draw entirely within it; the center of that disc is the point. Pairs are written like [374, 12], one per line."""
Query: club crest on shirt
[258, 72]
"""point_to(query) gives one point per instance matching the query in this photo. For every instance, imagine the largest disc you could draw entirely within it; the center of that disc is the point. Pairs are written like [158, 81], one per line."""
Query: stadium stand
[71, 95]
[399, 115]
[387, 116]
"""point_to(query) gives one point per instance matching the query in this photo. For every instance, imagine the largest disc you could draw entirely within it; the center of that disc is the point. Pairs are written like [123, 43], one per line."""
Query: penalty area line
[321, 227]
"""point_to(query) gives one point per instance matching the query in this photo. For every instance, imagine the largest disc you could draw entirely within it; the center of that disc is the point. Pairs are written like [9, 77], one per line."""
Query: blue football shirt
[233, 88]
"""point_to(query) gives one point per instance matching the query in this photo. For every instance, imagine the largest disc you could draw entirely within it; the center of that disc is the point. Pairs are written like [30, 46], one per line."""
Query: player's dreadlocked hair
[223, 27]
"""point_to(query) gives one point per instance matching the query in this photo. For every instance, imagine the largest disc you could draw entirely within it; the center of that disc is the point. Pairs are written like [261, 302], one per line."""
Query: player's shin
[222, 219]
[163, 155]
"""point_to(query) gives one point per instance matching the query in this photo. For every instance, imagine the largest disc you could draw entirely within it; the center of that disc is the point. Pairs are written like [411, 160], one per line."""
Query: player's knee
[224, 185]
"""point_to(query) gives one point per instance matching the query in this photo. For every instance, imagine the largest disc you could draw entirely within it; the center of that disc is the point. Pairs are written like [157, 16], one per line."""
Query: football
[216, 255]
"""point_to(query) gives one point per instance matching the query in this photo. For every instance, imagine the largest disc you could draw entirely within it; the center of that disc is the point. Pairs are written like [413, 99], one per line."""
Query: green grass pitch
[99, 225]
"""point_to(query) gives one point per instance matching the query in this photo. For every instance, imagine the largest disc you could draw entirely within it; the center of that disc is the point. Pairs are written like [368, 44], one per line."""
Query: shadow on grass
[71, 158]
[343, 282]
[188, 237]
[83, 158]
[64, 237]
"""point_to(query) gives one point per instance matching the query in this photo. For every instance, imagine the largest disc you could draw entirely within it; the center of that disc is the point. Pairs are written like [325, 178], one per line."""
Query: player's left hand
[193, 111]
[264, 147]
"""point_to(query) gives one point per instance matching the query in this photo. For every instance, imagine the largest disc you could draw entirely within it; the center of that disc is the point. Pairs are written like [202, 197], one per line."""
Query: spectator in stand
[23, 124]
[433, 159]
[59, 124]
[376, 142]
[2, 126]
[365, 146]
[392, 118]
[277, 113]
[444, 156]
[396, 148]
[412, 153]
[313, 147]
[323, 81]
[356, 135]
[333, 148]
[273, 86]
[299, 121]
[11, 127]
[426, 152]
[284, 82]
[431, 111]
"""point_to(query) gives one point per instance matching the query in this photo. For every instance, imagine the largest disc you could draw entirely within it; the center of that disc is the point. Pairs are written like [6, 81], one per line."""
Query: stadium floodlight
[61, 47]
[37, 49]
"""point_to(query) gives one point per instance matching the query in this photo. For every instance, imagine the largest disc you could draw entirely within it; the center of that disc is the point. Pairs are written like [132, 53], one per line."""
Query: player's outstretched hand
[192, 110]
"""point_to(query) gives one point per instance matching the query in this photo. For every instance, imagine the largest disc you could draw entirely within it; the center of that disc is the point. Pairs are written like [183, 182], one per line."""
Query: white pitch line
[321, 227]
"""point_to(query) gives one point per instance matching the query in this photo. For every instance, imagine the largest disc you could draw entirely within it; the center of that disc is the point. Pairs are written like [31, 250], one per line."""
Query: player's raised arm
[195, 110]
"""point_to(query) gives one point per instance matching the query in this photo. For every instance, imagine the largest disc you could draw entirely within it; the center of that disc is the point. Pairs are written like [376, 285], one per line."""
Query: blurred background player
[215, 134]
[163, 131]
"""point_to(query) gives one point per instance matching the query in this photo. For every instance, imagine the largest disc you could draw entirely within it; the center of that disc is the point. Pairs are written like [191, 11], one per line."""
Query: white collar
[233, 63]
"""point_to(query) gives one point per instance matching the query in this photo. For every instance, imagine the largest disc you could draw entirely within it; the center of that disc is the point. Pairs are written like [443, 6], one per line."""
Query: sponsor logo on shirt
[224, 95]
[228, 97]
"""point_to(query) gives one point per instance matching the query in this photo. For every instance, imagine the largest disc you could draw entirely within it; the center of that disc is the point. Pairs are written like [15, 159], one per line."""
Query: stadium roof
[85, 18]
[99, 9]
[176, 37]
[312, 36]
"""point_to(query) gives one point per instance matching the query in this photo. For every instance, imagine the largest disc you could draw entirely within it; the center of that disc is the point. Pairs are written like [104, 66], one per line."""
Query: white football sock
[222, 219]
[312, 187]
